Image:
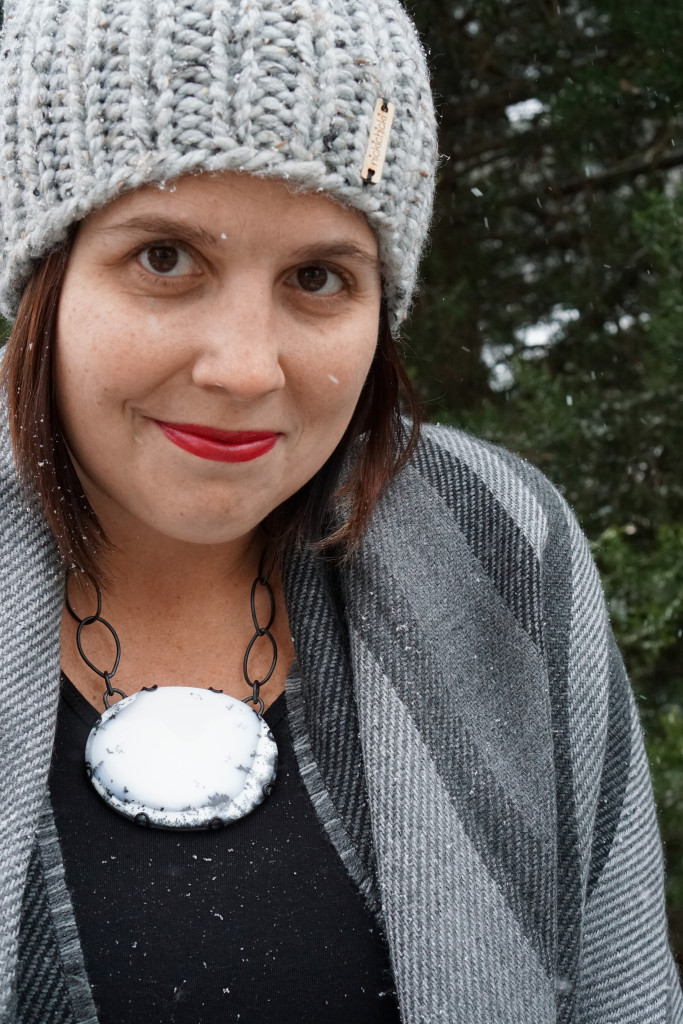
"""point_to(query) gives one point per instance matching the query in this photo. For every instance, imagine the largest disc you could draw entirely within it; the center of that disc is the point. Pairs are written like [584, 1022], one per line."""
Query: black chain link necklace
[182, 757]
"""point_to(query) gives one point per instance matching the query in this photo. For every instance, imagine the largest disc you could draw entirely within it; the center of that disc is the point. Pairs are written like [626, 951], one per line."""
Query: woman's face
[213, 339]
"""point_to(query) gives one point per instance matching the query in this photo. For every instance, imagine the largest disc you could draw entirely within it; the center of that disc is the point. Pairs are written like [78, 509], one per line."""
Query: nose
[238, 345]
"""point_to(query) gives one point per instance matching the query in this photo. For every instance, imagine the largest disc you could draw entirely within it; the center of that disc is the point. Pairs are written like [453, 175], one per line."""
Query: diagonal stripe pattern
[467, 735]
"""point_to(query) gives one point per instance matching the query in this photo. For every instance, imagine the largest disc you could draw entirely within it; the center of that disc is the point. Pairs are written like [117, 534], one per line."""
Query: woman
[211, 235]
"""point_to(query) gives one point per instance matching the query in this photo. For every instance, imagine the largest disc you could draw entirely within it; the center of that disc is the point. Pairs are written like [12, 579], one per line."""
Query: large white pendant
[181, 757]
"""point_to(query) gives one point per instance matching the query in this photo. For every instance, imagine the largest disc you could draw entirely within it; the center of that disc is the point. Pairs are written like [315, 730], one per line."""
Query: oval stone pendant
[181, 757]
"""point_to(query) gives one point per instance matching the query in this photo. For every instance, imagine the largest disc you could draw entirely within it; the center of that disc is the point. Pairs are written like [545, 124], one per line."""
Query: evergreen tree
[553, 316]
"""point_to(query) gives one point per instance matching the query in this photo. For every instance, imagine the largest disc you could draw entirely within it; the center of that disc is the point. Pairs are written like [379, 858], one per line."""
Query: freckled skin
[225, 302]
[225, 337]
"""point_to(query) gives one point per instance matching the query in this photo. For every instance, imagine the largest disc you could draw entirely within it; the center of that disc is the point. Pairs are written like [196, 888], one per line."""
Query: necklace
[182, 757]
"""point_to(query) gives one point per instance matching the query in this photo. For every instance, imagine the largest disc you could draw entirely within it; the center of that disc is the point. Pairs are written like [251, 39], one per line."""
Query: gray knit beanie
[103, 96]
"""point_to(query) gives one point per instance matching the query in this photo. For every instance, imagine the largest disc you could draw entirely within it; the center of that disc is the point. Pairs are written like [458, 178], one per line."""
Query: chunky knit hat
[102, 96]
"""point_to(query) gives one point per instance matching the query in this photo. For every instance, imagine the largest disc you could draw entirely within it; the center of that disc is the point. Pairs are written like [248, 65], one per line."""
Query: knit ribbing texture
[104, 96]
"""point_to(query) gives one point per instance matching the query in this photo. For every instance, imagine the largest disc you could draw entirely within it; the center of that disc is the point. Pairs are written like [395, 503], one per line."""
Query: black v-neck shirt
[257, 922]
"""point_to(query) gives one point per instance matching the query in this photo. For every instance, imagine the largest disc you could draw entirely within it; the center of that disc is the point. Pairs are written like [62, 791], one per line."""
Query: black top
[256, 922]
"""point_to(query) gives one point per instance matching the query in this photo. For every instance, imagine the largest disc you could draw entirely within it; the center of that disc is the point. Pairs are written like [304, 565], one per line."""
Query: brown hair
[379, 440]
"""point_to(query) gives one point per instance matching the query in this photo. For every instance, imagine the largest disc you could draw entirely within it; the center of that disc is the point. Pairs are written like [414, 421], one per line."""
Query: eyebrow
[196, 235]
[336, 250]
[191, 233]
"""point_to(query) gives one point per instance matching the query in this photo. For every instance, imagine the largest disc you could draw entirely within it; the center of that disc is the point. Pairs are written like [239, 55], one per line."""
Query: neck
[162, 571]
[183, 616]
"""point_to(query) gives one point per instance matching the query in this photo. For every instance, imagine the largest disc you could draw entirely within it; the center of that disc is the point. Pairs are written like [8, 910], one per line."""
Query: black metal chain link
[259, 631]
[90, 620]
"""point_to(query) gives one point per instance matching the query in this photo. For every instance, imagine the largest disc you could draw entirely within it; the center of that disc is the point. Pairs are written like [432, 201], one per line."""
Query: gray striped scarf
[467, 736]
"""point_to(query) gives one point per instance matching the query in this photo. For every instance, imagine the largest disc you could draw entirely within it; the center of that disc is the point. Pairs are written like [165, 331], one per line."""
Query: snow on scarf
[466, 733]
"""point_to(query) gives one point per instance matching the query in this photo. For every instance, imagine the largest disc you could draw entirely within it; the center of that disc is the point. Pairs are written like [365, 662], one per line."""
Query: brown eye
[318, 280]
[166, 260]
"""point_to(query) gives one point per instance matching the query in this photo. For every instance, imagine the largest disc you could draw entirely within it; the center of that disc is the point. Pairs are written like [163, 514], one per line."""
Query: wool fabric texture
[465, 729]
[103, 96]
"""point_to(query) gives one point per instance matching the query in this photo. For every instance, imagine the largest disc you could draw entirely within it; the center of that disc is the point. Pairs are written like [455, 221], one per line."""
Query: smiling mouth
[219, 445]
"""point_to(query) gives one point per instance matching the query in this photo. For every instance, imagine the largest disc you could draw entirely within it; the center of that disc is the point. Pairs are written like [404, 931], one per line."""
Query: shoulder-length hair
[331, 512]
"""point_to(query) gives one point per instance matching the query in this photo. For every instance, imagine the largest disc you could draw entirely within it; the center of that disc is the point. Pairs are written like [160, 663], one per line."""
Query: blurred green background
[551, 318]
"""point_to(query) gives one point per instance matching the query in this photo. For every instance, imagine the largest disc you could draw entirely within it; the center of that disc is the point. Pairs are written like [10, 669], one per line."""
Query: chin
[207, 533]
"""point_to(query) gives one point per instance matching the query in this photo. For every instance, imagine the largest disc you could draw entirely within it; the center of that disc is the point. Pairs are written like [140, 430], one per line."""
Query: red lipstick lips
[219, 445]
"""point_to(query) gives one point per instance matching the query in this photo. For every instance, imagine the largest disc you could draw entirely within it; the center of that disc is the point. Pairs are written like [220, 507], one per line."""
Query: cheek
[83, 337]
[330, 374]
[94, 375]
[73, 363]
[98, 355]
